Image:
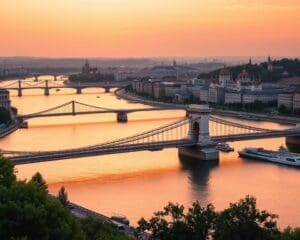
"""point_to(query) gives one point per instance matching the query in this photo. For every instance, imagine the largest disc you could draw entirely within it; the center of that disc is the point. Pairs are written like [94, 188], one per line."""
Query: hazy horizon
[139, 29]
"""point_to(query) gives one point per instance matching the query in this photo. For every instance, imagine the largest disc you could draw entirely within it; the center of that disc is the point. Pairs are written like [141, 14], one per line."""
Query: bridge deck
[67, 154]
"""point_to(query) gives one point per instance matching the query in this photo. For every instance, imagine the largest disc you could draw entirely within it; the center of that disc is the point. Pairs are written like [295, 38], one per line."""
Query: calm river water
[137, 184]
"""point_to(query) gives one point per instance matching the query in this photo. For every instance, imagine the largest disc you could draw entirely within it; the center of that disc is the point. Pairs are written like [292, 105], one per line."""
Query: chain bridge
[77, 108]
[47, 85]
[194, 136]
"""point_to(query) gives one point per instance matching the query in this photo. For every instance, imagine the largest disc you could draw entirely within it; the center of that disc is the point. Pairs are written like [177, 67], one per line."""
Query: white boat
[282, 156]
[225, 147]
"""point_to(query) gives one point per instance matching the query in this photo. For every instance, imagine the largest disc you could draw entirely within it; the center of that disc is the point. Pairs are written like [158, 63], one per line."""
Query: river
[137, 184]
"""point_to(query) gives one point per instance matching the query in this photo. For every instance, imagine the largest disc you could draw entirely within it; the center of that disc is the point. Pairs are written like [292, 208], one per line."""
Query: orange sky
[146, 28]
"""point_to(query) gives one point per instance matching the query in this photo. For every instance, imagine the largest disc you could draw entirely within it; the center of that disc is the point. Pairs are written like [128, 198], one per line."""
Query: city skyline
[177, 28]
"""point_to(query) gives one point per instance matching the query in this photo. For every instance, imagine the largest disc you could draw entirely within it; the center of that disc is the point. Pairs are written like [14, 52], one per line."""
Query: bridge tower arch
[195, 131]
[204, 148]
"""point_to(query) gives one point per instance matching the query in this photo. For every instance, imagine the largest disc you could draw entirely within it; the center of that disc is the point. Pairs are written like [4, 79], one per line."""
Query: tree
[4, 116]
[7, 172]
[173, 223]
[96, 229]
[243, 221]
[27, 212]
[63, 196]
[289, 234]
[38, 178]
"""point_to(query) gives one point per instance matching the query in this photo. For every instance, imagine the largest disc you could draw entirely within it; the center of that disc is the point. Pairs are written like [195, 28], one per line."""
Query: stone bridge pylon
[204, 148]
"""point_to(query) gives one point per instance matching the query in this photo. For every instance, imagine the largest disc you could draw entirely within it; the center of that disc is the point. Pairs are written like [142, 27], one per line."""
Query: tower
[86, 68]
[204, 148]
[224, 76]
[270, 66]
[174, 63]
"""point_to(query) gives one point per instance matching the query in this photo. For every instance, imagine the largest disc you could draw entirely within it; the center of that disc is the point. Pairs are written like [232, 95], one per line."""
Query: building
[224, 77]
[182, 96]
[171, 89]
[286, 100]
[87, 70]
[203, 95]
[216, 95]
[159, 90]
[4, 99]
[296, 101]
[243, 77]
[233, 96]
[12, 72]
[264, 96]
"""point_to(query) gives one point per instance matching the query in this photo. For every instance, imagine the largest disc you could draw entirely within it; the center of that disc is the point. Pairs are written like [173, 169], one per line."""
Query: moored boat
[282, 156]
[225, 147]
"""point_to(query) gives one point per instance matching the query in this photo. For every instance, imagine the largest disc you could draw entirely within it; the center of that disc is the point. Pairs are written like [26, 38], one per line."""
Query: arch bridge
[73, 108]
[195, 136]
[47, 85]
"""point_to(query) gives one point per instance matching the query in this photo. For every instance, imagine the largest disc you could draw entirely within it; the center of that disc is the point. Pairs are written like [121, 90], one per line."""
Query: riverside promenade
[121, 93]
[82, 212]
[4, 132]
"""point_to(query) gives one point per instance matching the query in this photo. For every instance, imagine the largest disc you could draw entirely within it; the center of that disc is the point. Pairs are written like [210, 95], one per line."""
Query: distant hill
[280, 68]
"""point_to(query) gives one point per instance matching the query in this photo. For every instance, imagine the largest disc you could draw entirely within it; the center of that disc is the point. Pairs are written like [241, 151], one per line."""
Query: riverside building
[4, 99]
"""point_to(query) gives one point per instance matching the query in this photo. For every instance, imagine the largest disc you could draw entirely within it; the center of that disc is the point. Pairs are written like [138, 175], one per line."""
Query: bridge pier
[293, 143]
[122, 117]
[19, 88]
[204, 148]
[46, 91]
[36, 78]
[78, 90]
[55, 77]
[107, 89]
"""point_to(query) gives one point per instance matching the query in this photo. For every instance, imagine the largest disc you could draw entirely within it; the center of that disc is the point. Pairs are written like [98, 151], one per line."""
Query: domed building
[244, 77]
[224, 76]
[87, 70]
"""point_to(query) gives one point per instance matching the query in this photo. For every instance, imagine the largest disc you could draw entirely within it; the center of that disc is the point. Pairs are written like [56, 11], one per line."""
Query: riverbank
[4, 132]
[121, 93]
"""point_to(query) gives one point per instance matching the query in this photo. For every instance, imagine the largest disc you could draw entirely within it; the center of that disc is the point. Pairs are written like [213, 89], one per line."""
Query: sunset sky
[148, 28]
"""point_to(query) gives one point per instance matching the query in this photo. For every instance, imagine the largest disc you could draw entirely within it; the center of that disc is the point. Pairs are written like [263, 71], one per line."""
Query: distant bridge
[47, 85]
[192, 135]
[73, 108]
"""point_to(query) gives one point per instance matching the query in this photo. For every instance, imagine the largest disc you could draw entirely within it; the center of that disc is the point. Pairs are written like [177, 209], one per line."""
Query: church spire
[174, 62]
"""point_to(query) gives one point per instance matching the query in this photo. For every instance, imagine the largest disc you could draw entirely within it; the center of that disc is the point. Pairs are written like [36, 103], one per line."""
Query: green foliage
[129, 88]
[284, 110]
[63, 196]
[27, 212]
[173, 223]
[243, 221]
[4, 116]
[95, 229]
[38, 178]
[7, 172]
[259, 71]
[289, 234]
